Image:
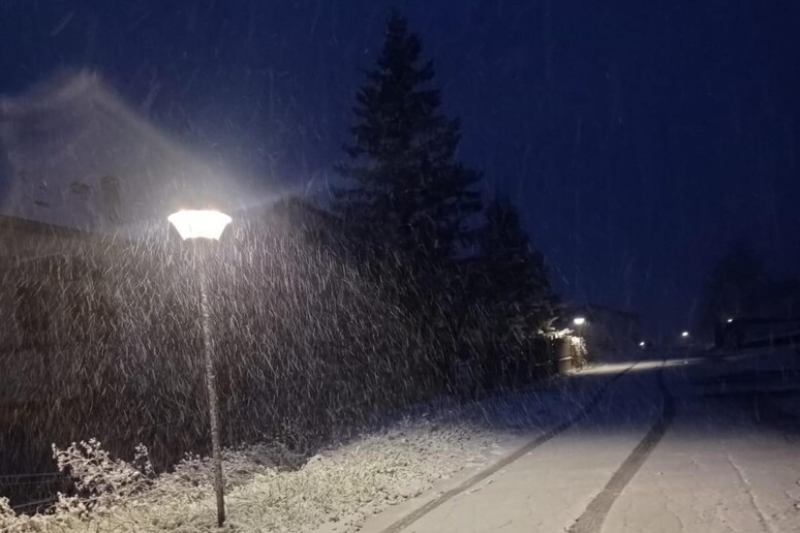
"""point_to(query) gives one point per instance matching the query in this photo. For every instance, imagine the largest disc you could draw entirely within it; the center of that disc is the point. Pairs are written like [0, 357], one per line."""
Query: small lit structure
[579, 341]
[204, 227]
[605, 330]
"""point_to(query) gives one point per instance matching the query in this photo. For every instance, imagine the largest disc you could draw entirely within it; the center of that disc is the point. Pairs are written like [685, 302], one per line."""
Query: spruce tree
[512, 284]
[407, 193]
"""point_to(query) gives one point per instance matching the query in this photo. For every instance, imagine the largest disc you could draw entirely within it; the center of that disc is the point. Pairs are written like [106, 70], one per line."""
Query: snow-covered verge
[342, 484]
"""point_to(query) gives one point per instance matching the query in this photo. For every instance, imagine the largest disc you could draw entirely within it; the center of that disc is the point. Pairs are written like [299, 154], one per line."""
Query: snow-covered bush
[98, 479]
[6, 512]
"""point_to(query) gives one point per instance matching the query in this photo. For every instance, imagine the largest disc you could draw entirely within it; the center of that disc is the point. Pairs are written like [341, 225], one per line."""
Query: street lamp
[685, 334]
[203, 227]
[579, 322]
[199, 224]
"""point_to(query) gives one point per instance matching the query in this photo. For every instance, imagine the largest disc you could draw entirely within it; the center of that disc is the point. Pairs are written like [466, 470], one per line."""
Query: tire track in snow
[591, 521]
[590, 406]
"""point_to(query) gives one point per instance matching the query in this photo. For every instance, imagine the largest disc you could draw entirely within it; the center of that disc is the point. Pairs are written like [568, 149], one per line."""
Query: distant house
[606, 330]
[80, 170]
[74, 154]
[774, 319]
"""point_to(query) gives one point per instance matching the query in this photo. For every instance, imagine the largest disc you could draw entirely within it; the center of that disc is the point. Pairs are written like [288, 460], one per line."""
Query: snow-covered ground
[729, 460]
[692, 443]
[337, 489]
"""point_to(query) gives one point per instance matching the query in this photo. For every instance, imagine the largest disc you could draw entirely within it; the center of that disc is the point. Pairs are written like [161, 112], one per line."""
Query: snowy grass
[341, 485]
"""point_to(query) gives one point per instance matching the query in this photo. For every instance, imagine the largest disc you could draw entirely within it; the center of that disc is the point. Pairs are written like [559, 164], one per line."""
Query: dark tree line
[741, 293]
[411, 206]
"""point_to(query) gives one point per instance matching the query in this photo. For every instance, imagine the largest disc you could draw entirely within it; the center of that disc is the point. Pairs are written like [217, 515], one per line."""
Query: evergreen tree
[735, 287]
[408, 193]
[512, 283]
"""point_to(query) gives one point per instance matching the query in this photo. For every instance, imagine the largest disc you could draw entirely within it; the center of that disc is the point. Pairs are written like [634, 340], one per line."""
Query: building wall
[46, 285]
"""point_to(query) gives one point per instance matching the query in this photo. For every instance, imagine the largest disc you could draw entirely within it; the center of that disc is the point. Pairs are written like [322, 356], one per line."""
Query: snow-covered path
[684, 445]
[730, 460]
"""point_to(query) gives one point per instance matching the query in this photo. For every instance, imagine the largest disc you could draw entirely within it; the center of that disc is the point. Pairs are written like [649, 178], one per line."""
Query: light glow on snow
[637, 366]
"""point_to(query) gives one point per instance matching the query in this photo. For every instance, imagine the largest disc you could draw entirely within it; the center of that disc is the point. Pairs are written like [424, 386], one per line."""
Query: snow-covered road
[688, 444]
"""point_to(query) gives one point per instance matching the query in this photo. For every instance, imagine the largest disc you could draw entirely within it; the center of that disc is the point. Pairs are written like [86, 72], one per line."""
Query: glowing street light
[203, 227]
[199, 224]
[685, 334]
[642, 344]
[579, 322]
[730, 321]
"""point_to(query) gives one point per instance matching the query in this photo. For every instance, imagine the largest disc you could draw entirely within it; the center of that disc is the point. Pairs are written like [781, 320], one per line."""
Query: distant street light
[642, 344]
[730, 320]
[579, 322]
[685, 334]
[203, 227]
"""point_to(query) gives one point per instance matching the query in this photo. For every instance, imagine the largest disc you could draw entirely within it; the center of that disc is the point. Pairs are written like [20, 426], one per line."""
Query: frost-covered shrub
[9, 521]
[98, 479]
[6, 512]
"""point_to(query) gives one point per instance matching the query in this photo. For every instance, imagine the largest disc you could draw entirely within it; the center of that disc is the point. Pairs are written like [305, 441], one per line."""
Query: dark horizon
[636, 141]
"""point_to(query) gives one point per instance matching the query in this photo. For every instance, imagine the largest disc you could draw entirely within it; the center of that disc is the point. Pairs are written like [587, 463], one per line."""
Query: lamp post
[203, 227]
[579, 321]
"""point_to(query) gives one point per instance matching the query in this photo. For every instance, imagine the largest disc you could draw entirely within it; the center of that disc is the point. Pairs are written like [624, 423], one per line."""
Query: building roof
[70, 146]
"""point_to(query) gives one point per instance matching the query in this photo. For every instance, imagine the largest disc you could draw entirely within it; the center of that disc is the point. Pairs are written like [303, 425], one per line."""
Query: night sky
[637, 138]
